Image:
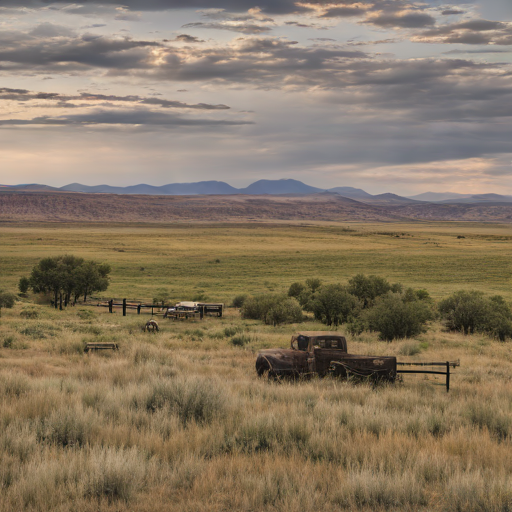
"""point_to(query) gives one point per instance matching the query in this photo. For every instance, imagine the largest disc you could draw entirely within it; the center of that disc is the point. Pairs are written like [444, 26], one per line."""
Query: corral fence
[203, 308]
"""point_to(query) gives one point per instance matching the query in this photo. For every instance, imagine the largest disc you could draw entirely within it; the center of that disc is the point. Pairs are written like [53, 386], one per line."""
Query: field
[178, 420]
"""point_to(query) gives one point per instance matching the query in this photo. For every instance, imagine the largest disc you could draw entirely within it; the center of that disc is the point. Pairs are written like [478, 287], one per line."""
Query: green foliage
[240, 340]
[296, 289]
[333, 304]
[305, 293]
[273, 309]
[7, 300]
[68, 277]
[24, 285]
[397, 315]
[313, 284]
[368, 288]
[239, 300]
[231, 331]
[471, 311]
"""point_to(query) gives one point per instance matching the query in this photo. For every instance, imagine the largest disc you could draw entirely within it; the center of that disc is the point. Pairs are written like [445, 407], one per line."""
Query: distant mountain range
[267, 187]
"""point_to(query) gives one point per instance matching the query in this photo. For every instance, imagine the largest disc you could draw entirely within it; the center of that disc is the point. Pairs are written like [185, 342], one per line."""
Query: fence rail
[446, 364]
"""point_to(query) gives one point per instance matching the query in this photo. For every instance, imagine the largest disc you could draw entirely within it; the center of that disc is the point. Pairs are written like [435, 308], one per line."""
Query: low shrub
[239, 300]
[240, 340]
[231, 331]
[29, 313]
[272, 309]
[66, 427]
[8, 341]
[191, 399]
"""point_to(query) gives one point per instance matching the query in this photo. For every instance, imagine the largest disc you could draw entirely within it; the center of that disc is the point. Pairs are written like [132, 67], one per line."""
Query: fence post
[447, 376]
[138, 309]
[111, 306]
[124, 307]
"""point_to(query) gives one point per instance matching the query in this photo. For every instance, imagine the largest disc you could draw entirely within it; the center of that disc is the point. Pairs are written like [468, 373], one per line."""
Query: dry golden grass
[178, 420]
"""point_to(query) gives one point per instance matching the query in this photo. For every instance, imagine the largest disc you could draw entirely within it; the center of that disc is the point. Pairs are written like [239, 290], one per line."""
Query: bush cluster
[372, 303]
[471, 311]
[272, 309]
[367, 303]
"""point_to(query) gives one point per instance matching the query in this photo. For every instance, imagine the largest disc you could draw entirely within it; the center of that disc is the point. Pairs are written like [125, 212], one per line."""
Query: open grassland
[179, 421]
[220, 261]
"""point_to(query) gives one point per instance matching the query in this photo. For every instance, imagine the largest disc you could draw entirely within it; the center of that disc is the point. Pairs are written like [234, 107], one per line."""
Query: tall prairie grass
[178, 421]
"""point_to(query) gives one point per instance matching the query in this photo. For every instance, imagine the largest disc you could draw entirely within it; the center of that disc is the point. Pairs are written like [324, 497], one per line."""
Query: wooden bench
[101, 346]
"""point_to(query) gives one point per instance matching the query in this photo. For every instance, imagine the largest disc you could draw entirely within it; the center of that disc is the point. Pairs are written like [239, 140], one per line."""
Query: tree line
[66, 278]
[371, 303]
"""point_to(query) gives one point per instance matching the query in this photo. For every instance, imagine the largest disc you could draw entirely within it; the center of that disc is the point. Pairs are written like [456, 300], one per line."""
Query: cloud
[185, 38]
[483, 51]
[25, 95]
[120, 117]
[401, 20]
[476, 31]
[270, 6]
[344, 12]
[24, 51]
[449, 12]
[244, 28]
[50, 30]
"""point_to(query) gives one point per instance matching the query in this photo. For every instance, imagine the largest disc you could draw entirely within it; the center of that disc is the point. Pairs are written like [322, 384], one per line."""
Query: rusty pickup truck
[314, 352]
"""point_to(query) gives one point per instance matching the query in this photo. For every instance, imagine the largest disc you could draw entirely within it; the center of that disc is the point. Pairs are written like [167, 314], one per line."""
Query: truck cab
[309, 352]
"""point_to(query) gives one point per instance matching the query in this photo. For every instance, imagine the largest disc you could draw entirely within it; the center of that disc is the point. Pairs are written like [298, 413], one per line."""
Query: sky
[385, 95]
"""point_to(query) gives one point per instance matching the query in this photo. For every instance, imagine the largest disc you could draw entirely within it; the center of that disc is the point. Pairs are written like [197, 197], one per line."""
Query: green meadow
[221, 261]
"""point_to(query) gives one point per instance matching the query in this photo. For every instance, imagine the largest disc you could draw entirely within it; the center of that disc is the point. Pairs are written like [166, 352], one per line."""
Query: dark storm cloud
[120, 117]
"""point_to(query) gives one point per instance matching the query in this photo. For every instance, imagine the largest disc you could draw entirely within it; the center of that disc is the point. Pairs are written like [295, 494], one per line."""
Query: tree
[333, 304]
[296, 289]
[67, 276]
[399, 315]
[46, 277]
[465, 311]
[24, 285]
[471, 311]
[313, 284]
[7, 300]
[368, 288]
[91, 277]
